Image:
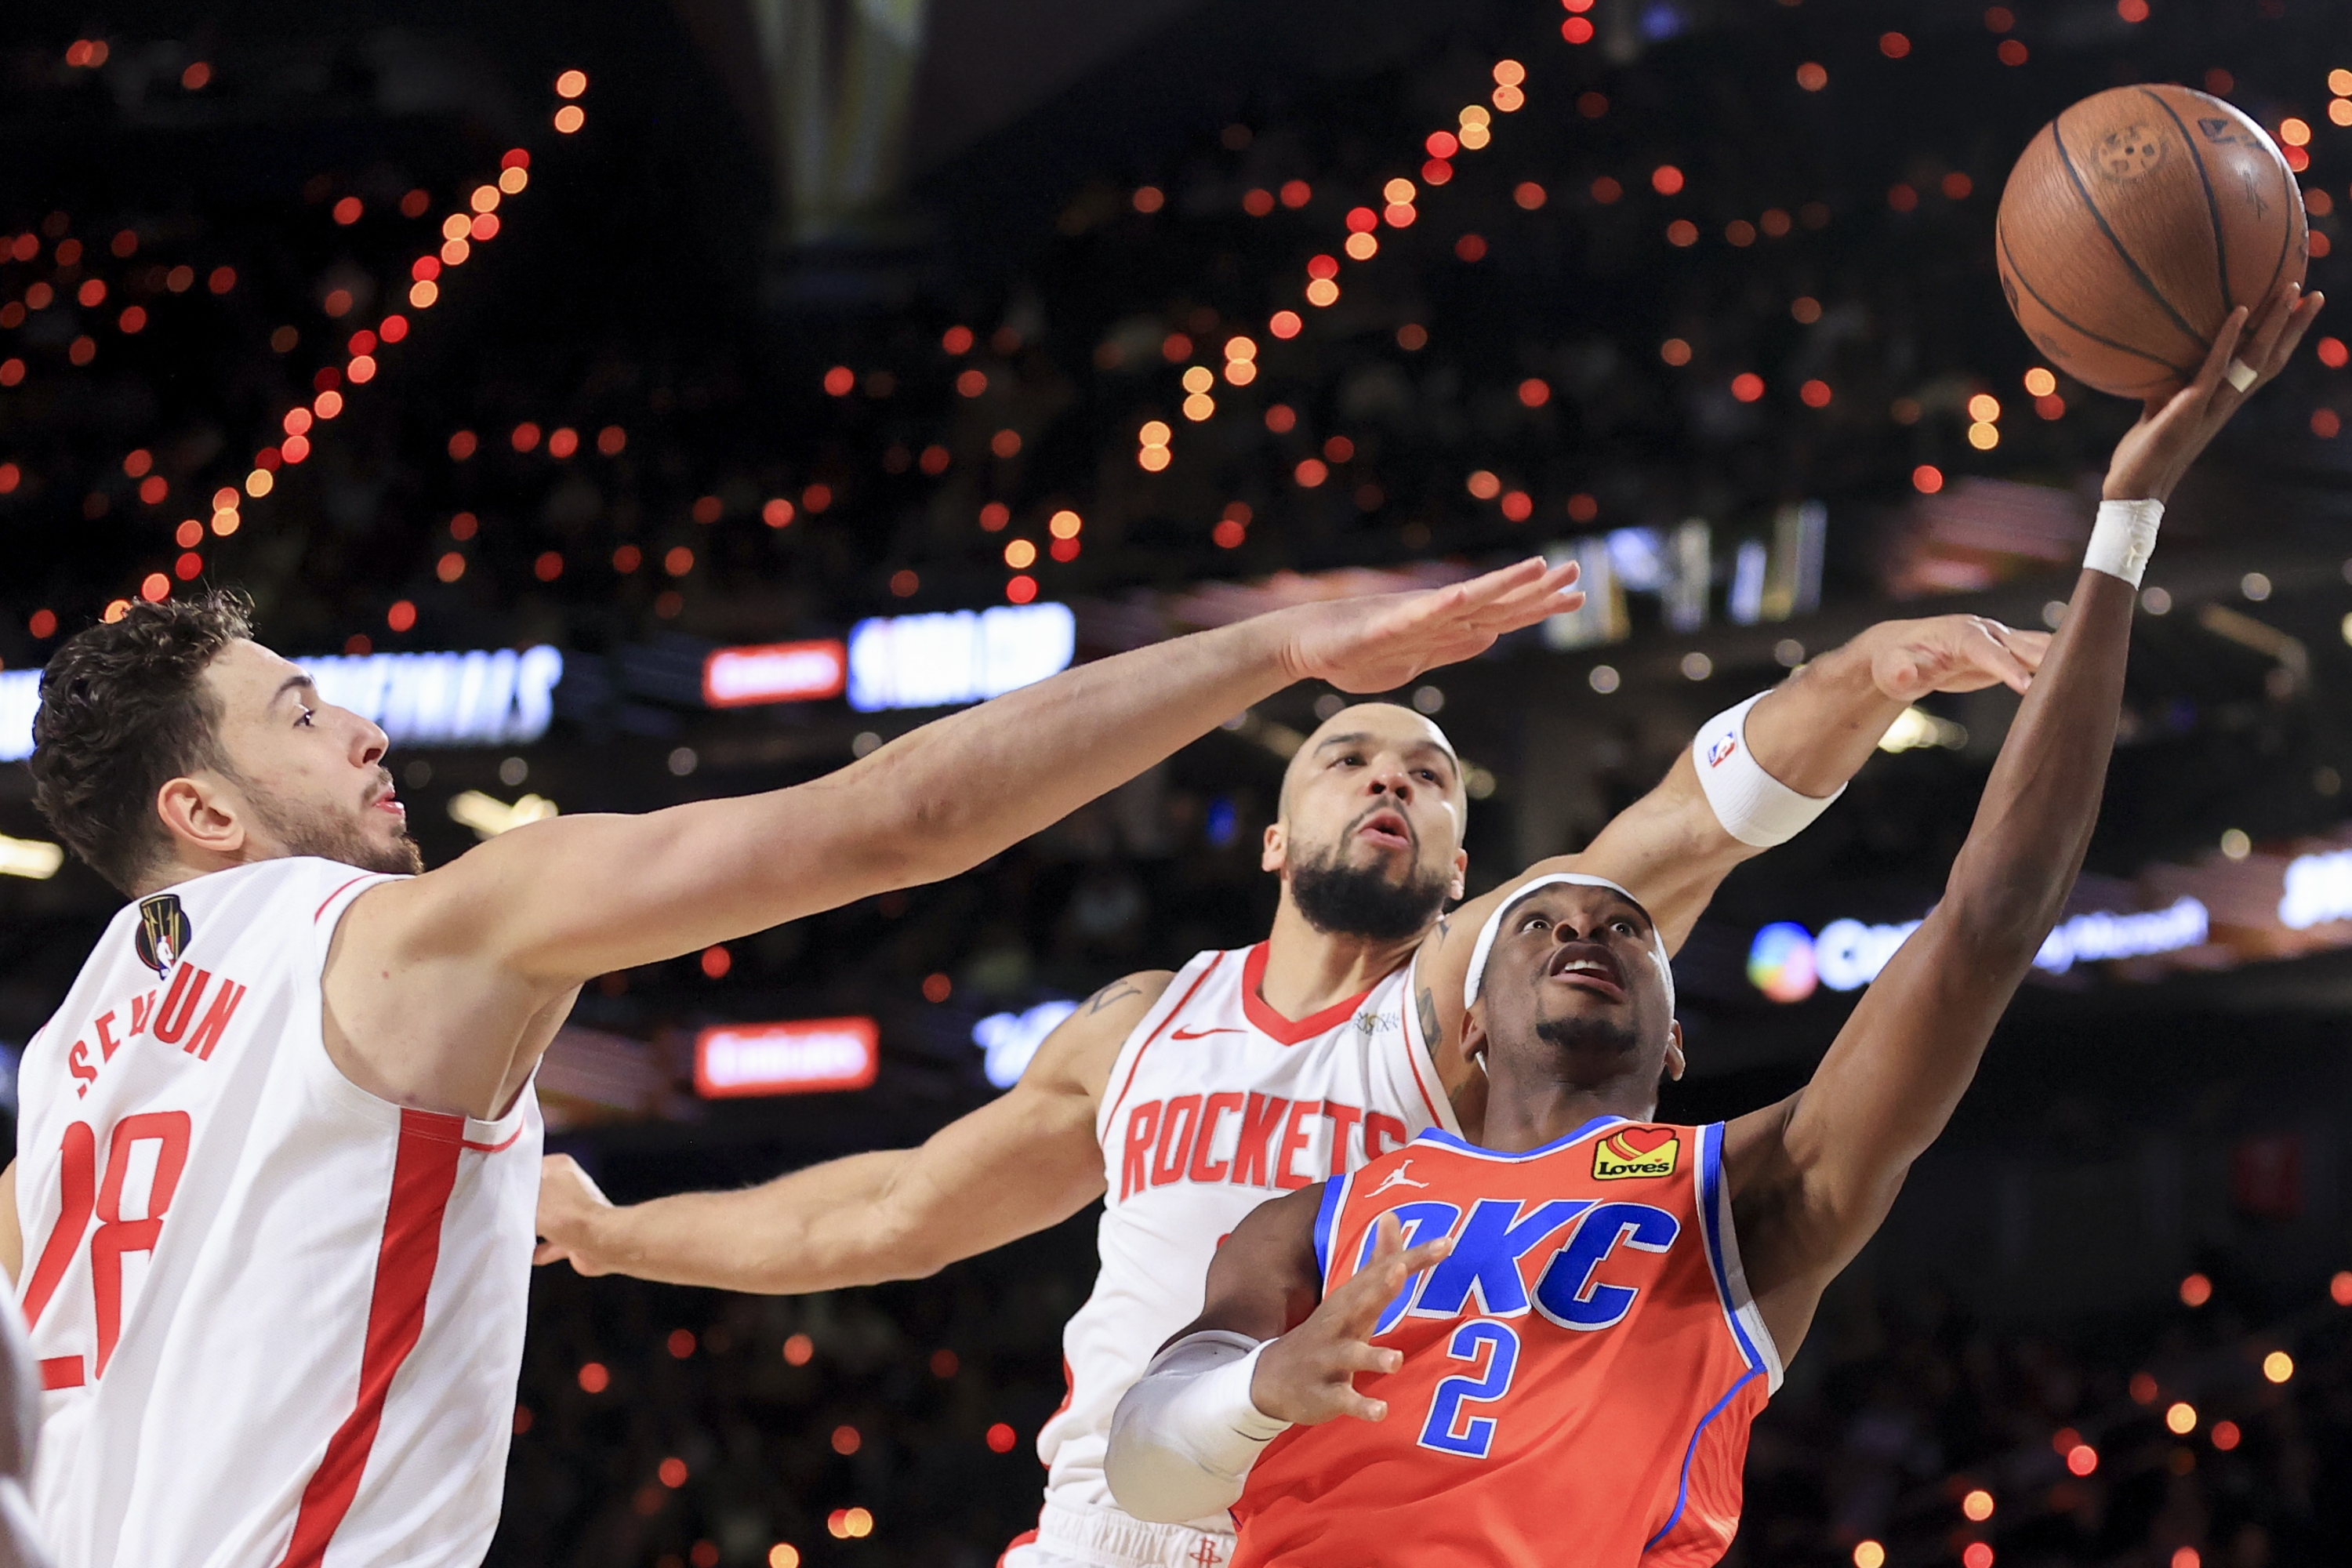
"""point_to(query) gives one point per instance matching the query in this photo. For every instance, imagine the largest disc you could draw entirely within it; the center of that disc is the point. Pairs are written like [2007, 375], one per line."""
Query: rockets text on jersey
[1579, 1374]
[1216, 1103]
[278, 1320]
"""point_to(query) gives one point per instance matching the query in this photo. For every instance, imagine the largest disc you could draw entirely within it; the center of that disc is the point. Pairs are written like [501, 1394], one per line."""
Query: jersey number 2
[1445, 1430]
[83, 1197]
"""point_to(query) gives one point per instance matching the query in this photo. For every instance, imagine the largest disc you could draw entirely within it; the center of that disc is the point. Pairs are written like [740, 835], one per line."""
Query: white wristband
[1185, 1436]
[1753, 806]
[2123, 538]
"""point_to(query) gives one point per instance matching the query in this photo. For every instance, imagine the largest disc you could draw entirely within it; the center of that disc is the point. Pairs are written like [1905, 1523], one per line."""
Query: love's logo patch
[1636, 1152]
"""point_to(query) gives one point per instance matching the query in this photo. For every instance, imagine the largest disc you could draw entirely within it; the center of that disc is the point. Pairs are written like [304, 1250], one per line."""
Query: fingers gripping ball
[2134, 223]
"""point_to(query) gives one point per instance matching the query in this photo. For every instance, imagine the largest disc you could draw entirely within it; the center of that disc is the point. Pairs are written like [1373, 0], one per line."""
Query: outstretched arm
[1811, 733]
[431, 979]
[1812, 1177]
[1018, 1164]
[1269, 1350]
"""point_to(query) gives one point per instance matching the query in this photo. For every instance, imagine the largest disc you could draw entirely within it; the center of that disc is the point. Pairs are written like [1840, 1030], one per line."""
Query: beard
[1339, 899]
[1590, 1036]
[333, 836]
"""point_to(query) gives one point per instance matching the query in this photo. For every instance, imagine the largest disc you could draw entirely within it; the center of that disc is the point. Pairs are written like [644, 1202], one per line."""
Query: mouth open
[1588, 966]
[389, 801]
[1388, 828]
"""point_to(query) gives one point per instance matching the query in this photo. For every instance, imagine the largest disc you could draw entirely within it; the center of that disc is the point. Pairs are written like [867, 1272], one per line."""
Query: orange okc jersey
[1580, 1373]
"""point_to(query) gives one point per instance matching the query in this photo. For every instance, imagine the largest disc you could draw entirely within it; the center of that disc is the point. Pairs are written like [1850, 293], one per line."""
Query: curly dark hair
[123, 712]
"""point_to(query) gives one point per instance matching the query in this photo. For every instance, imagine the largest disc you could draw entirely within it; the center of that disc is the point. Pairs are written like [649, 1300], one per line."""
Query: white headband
[1487, 932]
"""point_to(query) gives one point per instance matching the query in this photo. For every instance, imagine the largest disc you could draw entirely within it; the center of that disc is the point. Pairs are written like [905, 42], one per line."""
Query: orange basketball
[2134, 223]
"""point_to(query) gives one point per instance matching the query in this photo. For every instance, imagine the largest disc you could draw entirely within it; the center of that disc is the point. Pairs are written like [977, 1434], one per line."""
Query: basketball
[2134, 223]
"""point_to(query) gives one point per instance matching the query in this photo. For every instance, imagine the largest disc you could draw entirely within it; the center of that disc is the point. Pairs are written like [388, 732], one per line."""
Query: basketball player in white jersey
[1184, 1099]
[278, 1154]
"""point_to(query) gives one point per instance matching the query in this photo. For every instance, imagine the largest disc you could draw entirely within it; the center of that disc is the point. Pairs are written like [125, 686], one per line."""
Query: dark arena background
[627, 402]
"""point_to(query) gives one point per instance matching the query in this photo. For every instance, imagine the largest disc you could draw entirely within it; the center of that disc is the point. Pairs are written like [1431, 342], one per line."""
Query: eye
[307, 716]
[1536, 922]
[1623, 927]
[1428, 773]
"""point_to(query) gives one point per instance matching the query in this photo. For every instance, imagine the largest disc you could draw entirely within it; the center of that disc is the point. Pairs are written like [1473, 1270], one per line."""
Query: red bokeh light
[1000, 1439]
[595, 1377]
[1021, 589]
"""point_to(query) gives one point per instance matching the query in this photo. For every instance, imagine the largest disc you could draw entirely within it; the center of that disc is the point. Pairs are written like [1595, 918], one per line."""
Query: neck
[1527, 1115]
[1309, 970]
[183, 866]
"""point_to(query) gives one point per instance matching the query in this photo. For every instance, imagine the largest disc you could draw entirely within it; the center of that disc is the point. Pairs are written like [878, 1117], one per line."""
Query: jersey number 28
[85, 1198]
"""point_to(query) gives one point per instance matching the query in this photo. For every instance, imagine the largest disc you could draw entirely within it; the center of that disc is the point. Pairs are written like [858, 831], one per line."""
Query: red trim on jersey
[331, 898]
[1026, 1538]
[424, 1174]
[1173, 1013]
[61, 1372]
[494, 1148]
[1274, 1025]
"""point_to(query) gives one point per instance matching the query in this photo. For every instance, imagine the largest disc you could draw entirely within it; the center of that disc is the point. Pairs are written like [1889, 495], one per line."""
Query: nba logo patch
[1634, 1151]
[1724, 746]
[164, 933]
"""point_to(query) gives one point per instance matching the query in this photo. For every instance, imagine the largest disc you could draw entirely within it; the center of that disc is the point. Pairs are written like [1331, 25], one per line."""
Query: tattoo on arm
[1117, 991]
[1432, 1034]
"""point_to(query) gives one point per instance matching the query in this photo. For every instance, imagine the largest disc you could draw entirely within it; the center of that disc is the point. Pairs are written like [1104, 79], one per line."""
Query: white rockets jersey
[279, 1320]
[1215, 1104]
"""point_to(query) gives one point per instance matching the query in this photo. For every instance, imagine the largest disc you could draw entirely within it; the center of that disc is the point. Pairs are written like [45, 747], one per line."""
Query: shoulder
[1078, 1055]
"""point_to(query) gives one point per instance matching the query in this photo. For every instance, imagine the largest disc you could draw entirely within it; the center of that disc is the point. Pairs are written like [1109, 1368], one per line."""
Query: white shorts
[1105, 1538]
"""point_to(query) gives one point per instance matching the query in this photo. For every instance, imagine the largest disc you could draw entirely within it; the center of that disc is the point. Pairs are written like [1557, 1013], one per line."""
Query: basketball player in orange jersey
[279, 1152]
[1565, 1327]
[1186, 1098]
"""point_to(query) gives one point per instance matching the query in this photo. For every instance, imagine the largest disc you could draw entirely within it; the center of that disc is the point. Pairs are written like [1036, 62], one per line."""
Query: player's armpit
[1025, 1161]
[1264, 1279]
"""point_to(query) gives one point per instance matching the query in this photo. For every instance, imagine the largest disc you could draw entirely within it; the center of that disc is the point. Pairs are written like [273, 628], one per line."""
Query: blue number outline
[1477, 1435]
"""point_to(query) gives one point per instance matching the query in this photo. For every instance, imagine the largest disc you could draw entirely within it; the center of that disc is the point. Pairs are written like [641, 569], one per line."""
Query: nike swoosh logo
[1197, 1034]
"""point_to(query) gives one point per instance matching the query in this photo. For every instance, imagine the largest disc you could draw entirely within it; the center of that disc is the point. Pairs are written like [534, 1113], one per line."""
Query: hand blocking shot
[1548, 1346]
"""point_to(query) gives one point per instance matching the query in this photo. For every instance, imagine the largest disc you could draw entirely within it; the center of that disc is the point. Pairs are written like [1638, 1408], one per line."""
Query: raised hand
[1379, 642]
[1308, 1375]
[568, 1203]
[1909, 659]
[2172, 430]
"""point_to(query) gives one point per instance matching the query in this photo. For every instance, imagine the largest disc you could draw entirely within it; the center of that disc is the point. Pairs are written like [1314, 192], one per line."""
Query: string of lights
[476, 224]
